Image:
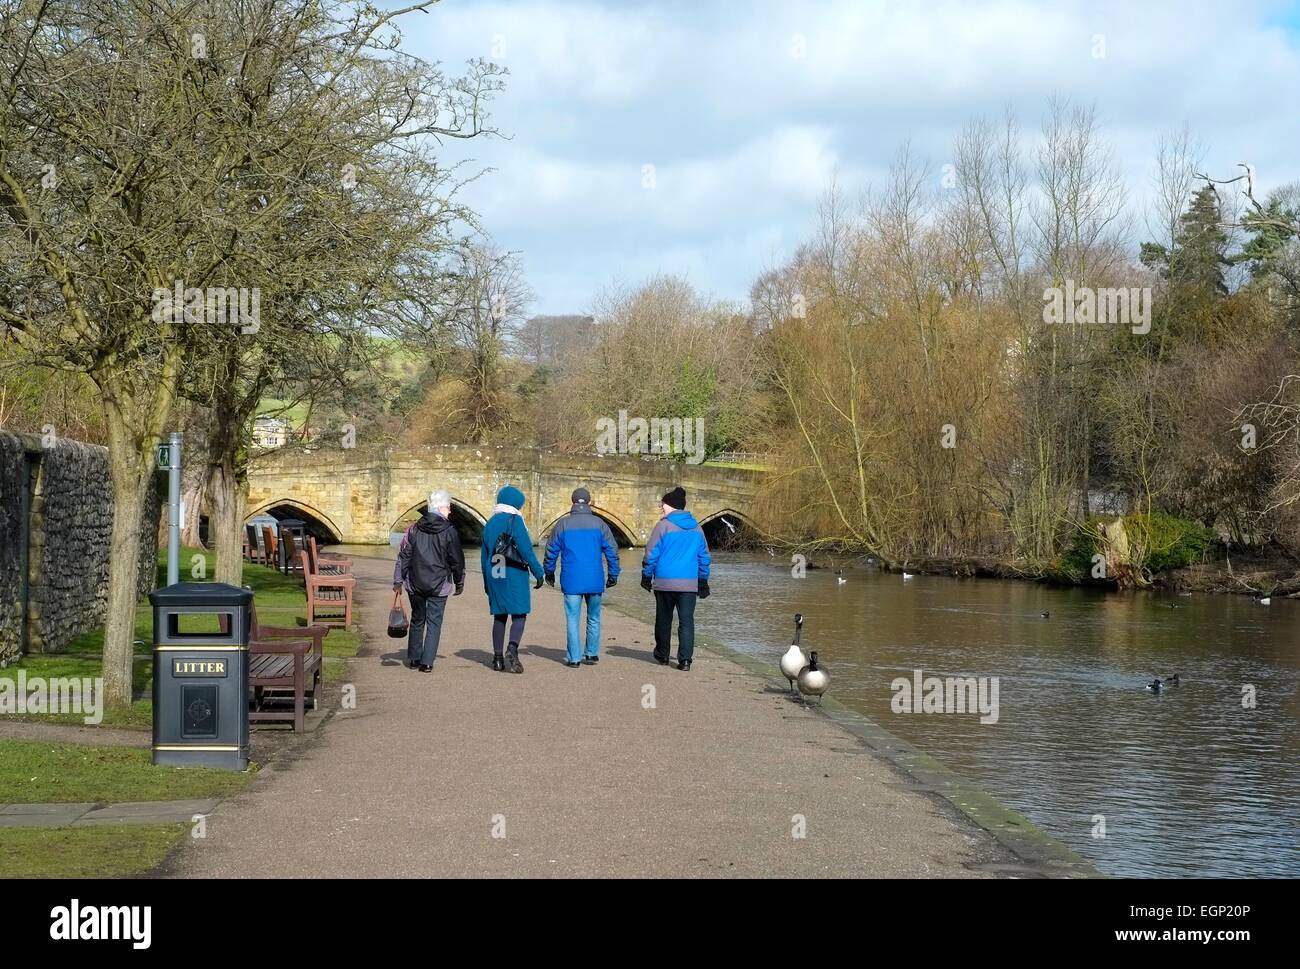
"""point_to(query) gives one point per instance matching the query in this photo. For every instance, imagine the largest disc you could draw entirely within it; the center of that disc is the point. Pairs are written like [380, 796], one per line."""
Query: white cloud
[745, 133]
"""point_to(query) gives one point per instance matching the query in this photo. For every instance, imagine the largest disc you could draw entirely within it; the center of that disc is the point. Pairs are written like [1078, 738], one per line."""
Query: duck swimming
[1172, 680]
[1154, 686]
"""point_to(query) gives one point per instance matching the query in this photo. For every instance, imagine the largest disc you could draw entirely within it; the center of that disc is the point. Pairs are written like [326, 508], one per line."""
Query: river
[1190, 782]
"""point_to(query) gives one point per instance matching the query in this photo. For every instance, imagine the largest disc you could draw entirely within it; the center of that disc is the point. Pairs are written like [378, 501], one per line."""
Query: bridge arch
[318, 523]
[729, 528]
[624, 537]
[469, 521]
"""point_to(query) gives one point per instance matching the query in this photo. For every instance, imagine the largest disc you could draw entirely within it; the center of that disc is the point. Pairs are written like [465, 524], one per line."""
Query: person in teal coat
[509, 597]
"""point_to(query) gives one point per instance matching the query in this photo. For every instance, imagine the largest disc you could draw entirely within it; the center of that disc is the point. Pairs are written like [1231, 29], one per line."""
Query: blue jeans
[426, 628]
[573, 613]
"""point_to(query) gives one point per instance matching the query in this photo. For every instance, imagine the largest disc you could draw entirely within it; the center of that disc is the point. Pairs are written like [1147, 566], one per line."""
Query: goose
[839, 577]
[794, 660]
[1046, 615]
[907, 576]
[1173, 680]
[813, 678]
[1154, 686]
[1265, 601]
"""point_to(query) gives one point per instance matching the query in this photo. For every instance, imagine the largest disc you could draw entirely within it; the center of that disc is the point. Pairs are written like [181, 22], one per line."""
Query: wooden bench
[331, 593]
[283, 659]
[291, 550]
[323, 563]
[270, 547]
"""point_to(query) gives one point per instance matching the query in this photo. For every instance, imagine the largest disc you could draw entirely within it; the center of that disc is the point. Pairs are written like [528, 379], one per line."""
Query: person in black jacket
[431, 565]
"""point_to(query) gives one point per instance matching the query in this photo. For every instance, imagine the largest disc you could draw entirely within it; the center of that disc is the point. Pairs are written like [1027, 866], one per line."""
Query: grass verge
[32, 772]
[101, 851]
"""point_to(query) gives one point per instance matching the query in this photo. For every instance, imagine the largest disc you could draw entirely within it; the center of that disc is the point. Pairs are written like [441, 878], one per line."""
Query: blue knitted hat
[510, 495]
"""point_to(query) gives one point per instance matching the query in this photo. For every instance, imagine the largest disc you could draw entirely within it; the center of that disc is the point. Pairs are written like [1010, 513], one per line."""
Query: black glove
[550, 579]
[611, 582]
[459, 589]
[538, 585]
[647, 583]
[704, 588]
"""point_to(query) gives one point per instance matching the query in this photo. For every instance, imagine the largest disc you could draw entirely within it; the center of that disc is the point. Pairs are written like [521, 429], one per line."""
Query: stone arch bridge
[362, 497]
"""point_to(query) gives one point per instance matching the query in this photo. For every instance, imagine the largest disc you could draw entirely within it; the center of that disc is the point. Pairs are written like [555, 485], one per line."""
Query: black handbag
[507, 551]
[398, 625]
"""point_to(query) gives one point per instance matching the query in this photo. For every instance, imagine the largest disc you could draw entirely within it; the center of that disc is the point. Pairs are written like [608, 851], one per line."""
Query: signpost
[169, 459]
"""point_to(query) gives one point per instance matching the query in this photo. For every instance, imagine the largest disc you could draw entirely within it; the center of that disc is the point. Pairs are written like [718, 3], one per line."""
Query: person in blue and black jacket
[581, 544]
[676, 570]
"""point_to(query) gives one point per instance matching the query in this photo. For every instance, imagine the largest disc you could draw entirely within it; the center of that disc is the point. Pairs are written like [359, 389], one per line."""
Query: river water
[1190, 782]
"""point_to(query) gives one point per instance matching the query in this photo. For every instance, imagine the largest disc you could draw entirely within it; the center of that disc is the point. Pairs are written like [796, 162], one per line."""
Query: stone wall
[11, 563]
[69, 526]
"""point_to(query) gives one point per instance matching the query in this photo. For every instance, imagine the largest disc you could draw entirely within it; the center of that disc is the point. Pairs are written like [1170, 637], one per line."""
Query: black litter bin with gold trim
[200, 675]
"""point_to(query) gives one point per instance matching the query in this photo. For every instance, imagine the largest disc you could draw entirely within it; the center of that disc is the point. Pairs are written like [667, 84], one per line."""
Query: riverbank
[1257, 573]
[626, 769]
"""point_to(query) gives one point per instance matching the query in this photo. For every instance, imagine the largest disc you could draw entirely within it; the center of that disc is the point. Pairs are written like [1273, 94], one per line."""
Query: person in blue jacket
[578, 542]
[676, 570]
[509, 597]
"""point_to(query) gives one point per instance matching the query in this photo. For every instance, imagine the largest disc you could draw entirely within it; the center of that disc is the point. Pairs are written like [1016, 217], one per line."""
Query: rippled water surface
[1189, 782]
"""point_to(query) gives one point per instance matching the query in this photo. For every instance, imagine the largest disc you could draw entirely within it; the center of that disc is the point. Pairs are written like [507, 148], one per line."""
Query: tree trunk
[227, 490]
[130, 490]
[192, 499]
[227, 496]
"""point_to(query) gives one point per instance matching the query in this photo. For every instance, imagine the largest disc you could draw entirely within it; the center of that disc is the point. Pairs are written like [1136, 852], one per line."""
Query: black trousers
[684, 603]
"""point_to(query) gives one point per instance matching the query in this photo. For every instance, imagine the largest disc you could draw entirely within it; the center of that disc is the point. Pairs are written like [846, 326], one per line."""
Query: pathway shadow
[645, 654]
[544, 652]
[475, 656]
[396, 658]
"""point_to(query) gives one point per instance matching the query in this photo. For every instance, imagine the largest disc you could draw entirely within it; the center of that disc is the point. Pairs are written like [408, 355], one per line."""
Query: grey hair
[439, 498]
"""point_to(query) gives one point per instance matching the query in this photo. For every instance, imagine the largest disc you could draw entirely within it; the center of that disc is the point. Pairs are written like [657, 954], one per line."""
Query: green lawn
[280, 602]
[36, 772]
[102, 851]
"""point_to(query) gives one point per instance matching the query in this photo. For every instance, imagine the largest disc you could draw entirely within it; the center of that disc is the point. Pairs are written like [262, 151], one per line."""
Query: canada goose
[1046, 615]
[907, 576]
[839, 579]
[1265, 601]
[1154, 686]
[813, 679]
[794, 660]
[1172, 679]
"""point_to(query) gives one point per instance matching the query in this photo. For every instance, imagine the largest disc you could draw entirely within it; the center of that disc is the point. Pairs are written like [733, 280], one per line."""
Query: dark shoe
[512, 659]
[571, 665]
[498, 663]
[684, 664]
[661, 660]
[591, 660]
[426, 669]
[411, 665]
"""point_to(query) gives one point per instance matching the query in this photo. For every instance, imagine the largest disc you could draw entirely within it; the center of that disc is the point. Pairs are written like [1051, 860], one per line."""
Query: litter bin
[200, 675]
[299, 530]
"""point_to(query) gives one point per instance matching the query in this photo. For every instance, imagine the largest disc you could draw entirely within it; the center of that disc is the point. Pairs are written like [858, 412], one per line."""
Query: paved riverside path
[573, 770]
[59, 814]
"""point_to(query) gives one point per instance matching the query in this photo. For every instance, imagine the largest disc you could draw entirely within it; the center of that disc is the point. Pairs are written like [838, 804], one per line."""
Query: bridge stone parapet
[357, 496]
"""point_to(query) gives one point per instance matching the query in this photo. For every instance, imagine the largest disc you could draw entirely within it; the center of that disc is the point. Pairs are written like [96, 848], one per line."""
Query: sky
[696, 138]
